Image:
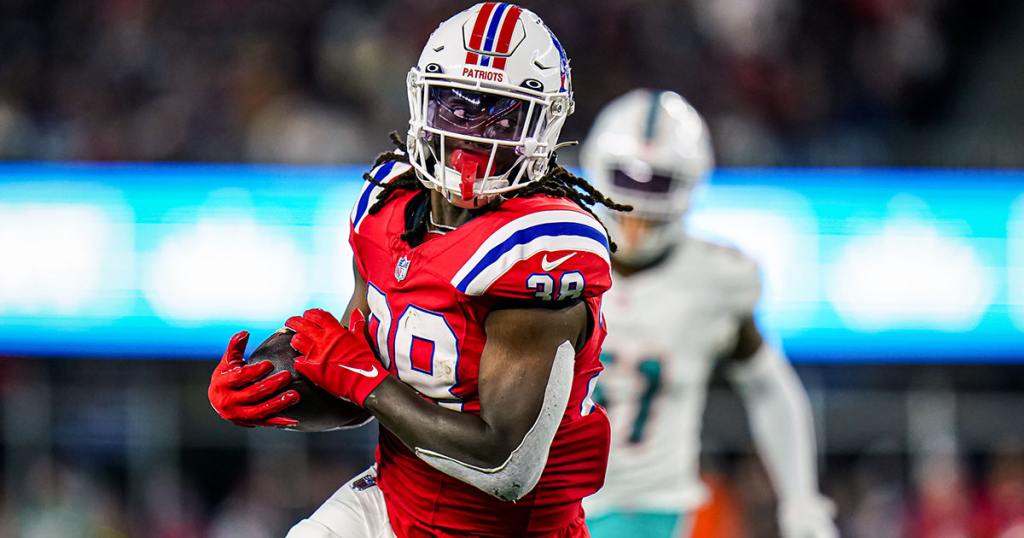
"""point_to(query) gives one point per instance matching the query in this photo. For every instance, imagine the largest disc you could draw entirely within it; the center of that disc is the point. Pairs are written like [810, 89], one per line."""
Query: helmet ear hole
[433, 68]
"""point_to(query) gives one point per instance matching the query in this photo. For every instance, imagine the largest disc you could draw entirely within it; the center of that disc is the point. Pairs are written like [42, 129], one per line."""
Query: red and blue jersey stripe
[519, 240]
[368, 196]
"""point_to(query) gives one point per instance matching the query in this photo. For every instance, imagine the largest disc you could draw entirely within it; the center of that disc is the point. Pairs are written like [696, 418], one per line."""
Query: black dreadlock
[558, 182]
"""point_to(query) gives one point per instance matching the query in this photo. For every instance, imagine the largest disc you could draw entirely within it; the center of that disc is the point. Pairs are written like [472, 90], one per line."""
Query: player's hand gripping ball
[266, 391]
[316, 410]
[338, 359]
[247, 394]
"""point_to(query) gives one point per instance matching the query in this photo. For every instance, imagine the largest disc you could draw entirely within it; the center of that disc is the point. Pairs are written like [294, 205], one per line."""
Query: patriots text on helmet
[482, 74]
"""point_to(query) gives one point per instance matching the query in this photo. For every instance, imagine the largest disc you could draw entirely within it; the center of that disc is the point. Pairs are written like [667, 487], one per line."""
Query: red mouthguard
[469, 164]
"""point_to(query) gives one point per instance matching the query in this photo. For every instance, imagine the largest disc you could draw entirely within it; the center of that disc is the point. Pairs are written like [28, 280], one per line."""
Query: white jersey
[666, 327]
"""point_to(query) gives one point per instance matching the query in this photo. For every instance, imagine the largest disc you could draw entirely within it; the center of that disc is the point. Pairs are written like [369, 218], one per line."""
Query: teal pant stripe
[634, 525]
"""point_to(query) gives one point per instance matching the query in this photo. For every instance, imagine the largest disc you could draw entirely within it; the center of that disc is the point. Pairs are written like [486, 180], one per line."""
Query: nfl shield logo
[402, 269]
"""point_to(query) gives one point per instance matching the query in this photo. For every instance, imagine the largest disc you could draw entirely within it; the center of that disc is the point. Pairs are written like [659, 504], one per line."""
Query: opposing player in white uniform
[679, 306]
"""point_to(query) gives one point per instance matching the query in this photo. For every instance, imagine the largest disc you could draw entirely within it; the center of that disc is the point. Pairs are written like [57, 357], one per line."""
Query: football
[317, 409]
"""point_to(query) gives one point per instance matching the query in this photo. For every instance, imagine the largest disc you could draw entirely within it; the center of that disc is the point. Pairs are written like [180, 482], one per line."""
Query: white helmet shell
[506, 52]
[648, 149]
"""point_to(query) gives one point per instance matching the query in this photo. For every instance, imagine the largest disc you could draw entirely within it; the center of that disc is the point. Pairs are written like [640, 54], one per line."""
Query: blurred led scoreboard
[169, 260]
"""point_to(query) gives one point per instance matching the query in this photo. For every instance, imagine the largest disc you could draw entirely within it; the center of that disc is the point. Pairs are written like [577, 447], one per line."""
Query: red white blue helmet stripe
[492, 30]
[492, 33]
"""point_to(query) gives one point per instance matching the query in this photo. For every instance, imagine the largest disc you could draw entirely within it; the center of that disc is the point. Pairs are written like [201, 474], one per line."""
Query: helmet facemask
[659, 199]
[473, 142]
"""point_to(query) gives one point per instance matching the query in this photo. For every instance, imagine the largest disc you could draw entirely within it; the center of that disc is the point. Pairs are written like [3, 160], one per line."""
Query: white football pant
[356, 510]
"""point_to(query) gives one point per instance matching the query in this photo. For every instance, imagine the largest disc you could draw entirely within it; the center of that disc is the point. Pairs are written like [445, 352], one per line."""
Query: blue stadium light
[148, 261]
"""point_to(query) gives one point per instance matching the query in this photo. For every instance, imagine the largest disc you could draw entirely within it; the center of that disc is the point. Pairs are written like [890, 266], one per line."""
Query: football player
[679, 307]
[474, 328]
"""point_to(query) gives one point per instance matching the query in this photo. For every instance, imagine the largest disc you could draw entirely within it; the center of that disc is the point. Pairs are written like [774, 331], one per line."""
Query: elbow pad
[518, 475]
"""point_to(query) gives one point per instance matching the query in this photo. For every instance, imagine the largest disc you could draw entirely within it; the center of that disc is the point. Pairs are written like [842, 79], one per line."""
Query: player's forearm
[781, 422]
[420, 423]
[504, 459]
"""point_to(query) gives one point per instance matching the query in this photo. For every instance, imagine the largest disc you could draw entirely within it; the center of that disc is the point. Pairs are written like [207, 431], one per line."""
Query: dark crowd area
[782, 82]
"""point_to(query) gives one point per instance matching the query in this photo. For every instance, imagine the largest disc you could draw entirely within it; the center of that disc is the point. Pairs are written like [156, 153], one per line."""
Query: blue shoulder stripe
[364, 198]
[521, 237]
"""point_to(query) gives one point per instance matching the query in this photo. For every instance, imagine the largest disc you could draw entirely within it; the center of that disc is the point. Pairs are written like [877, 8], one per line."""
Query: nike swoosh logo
[552, 265]
[372, 372]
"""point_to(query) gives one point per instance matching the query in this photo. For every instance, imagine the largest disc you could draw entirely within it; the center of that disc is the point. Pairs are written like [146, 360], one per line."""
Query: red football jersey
[427, 309]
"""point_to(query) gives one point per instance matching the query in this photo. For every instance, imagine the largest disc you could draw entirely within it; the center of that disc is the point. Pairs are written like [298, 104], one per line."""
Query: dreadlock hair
[558, 182]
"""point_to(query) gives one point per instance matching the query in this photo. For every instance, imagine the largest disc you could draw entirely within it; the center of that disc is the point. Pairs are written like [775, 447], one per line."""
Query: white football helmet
[487, 101]
[648, 149]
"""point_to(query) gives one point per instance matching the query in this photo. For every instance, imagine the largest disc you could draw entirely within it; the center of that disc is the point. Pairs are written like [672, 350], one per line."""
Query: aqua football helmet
[648, 149]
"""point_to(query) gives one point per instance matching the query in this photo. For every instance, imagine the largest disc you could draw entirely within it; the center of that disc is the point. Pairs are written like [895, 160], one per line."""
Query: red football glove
[244, 395]
[336, 359]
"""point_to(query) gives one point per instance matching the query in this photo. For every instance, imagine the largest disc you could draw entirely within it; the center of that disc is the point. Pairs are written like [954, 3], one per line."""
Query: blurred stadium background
[868, 151]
